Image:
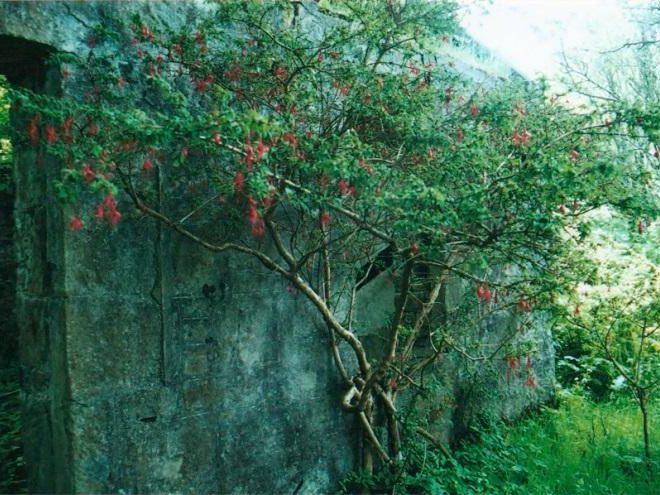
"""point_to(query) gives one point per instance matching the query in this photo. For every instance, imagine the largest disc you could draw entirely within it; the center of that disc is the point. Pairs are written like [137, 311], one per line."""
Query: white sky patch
[531, 34]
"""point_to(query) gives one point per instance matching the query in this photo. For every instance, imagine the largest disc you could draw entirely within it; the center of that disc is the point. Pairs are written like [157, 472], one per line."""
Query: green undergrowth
[12, 467]
[578, 448]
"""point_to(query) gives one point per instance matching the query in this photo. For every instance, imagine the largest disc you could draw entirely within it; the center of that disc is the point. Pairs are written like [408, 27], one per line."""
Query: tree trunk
[643, 403]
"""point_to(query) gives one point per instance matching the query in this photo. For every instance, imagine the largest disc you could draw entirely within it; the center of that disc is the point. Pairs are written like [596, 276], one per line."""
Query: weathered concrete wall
[464, 390]
[150, 364]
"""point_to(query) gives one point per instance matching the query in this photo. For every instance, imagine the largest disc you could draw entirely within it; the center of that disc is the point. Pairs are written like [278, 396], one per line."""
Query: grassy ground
[583, 448]
[578, 448]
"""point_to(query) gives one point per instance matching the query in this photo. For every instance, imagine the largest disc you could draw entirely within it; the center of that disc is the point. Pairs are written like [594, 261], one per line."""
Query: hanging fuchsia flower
[217, 138]
[325, 219]
[100, 212]
[33, 130]
[51, 134]
[147, 165]
[114, 216]
[521, 138]
[249, 155]
[344, 187]
[474, 110]
[76, 224]
[484, 293]
[262, 149]
[88, 173]
[239, 181]
[290, 138]
[253, 214]
[258, 227]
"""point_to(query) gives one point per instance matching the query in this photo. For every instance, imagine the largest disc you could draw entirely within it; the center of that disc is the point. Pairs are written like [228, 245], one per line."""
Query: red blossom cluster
[258, 225]
[521, 138]
[484, 293]
[108, 210]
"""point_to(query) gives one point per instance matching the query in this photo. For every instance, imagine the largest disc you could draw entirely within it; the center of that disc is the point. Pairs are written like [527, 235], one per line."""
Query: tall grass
[587, 448]
[579, 448]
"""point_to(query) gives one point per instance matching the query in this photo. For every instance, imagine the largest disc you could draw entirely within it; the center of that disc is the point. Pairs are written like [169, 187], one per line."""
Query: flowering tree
[334, 145]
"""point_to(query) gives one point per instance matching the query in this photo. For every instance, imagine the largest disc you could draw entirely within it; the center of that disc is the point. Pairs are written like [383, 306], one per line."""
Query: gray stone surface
[137, 379]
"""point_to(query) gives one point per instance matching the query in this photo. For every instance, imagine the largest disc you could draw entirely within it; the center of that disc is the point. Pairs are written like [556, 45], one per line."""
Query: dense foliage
[315, 141]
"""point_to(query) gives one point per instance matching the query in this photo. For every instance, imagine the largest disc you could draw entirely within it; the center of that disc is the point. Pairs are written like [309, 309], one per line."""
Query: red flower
[459, 135]
[217, 138]
[92, 130]
[249, 155]
[524, 305]
[414, 248]
[574, 155]
[100, 212]
[121, 82]
[484, 293]
[393, 384]
[325, 219]
[110, 202]
[258, 227]
[474, 110]
[531, 382]
[262, 149]
[253, 214]
[344, 90]
[147, 166]
[344, 186]
[562, 209]
[34, 130]
[520, 138]
[234, 73]
[146, 33]
[334, 55]
[239, 181]
[88, 173]
[201, 85]
[184, 152]
[114, 217]
[290, 138]
[66, 128]
[76, 224]
[280, 72]
[51, 134]
[65, 74]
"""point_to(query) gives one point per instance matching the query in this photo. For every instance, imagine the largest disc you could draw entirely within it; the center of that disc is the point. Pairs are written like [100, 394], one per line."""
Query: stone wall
[151, 365]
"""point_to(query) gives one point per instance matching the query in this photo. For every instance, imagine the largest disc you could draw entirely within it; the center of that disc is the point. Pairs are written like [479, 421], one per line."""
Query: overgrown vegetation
[12, 467]
[578, 448]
